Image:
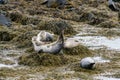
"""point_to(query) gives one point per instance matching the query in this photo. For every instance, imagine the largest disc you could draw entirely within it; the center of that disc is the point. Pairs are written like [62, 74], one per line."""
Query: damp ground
[93, 24]
[106, 54]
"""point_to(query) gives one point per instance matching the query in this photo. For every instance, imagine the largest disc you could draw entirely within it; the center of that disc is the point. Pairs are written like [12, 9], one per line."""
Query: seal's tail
[61, 37]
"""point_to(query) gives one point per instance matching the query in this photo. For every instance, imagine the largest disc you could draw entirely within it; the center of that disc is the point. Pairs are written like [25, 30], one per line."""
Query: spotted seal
[44, 36]
[54, 47]
[71, 42]
[87, 63]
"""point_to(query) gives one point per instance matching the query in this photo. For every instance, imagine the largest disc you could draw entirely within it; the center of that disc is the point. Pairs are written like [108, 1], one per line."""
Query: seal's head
[34, 38]
[41, 35]
[87, 63]
[44, 36]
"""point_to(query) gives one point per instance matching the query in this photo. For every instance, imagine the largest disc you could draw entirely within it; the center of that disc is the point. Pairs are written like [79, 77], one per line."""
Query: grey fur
[54, 47]
[87, 63]
[44, 36]
[71, 43]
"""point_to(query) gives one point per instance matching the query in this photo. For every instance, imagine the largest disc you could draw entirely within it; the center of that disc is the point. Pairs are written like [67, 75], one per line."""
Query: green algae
[109, 24]
[25, 39]
[55, 26]
[43, 59]
[46, 59]
[6, 34]
[79, 50]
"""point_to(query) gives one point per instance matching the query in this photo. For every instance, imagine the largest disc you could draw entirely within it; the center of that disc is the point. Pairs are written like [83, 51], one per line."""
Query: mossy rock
[24, 20]
[7, 62]
[96, 70]
[35, 11]
[109, 24]
[55, 26]
[5, 34]
[29, 20]
[6, 72]
[68, 15]
[16, 16]
[90, 18]
[109, 32]
[82, 17]
[96, 21]
[101, 14]
[24, 39]
[43, 59]
[79, 50]
[19, 18]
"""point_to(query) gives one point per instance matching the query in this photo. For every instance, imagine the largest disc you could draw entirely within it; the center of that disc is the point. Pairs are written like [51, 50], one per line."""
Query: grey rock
[3, 1]
[55, 3]
[5, 21]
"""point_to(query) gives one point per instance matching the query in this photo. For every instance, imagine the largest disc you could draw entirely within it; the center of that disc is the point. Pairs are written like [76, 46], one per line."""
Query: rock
[6, 34]
[78, 50]
[3, 1]
[24, 39]
[55, 3]
[18, 17]
[54, 26]
[109, 24]
[5, 21]
[87, 63]
[43, 59]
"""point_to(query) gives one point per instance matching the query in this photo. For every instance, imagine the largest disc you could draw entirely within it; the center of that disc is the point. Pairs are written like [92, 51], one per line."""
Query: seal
[44, 36]
[87, 63]
[38, 43]
[54, 3]
[54, 47]
[113, 6]
[71, 42]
